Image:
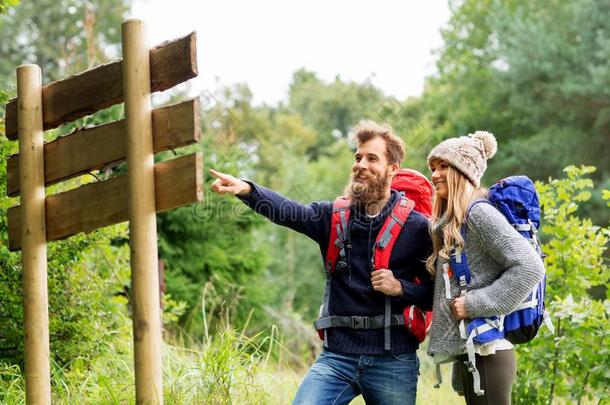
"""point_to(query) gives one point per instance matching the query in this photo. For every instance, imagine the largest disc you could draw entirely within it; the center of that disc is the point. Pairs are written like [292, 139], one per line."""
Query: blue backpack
[516, 198]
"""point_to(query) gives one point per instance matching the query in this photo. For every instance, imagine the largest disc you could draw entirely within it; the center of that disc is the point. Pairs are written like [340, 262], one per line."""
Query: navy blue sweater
[351, 290]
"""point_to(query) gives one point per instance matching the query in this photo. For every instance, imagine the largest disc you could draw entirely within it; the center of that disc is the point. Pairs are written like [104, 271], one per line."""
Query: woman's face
[439, 177]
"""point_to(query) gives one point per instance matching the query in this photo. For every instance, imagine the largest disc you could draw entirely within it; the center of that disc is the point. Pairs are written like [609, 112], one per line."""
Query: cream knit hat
[468, 154]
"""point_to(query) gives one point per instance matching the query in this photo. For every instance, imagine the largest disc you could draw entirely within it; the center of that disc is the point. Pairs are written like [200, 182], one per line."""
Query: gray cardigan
[504, 269]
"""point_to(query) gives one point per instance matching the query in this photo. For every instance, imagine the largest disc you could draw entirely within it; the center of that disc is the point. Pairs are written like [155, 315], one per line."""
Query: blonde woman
[504, 268]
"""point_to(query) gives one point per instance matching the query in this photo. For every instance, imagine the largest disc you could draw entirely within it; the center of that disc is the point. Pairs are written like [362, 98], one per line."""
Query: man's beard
[367, 194]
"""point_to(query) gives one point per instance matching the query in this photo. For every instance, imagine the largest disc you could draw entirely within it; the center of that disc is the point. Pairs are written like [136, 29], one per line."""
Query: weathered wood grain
[178, 182]
[88, 149]
[171, 63]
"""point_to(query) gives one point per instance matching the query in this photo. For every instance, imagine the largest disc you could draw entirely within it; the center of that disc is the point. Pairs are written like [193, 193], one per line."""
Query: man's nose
[361, 164]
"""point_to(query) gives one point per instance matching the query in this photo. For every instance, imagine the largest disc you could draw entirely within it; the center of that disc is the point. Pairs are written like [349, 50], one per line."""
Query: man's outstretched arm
[312, 220]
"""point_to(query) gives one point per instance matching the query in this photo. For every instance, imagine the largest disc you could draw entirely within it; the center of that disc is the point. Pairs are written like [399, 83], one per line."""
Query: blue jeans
[337, 378]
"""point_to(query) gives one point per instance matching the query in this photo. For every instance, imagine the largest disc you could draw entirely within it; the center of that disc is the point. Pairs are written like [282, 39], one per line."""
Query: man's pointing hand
[225, 183]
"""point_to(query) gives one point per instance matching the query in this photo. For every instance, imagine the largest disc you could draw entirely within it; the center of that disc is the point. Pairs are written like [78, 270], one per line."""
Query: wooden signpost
[137, 196]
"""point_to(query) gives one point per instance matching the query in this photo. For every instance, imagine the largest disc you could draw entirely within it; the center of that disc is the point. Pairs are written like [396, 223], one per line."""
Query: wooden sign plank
[171, 63]
[178, 182]
[88, 149]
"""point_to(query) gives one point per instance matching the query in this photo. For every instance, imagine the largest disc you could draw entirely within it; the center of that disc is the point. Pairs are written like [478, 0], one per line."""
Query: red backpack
[416, 193]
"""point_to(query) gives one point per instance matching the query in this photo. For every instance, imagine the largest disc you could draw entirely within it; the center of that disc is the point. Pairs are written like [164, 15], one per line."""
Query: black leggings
[498, 372]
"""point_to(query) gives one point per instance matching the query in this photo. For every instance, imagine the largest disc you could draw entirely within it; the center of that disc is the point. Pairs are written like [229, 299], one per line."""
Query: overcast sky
[262, 42]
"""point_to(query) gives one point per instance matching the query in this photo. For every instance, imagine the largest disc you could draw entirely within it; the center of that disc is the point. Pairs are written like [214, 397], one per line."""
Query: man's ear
[394, 169]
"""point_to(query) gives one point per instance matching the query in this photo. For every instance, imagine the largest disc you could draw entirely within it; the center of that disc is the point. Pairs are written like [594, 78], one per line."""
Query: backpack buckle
[360, 322]
[340, 265]
[471, 367]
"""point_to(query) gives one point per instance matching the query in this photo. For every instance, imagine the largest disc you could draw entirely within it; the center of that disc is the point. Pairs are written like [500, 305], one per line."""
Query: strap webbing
[447, 281]
[471, 363]
[462, 328]
[387, 323]
[439, 376]
[382, 251]
[529, 304]
[343, 217]
[325, 301]
[338, 235]
[522, 227]
[358, 322]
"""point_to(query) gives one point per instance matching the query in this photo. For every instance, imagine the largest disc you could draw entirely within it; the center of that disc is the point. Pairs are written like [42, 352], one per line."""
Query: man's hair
[395, 147]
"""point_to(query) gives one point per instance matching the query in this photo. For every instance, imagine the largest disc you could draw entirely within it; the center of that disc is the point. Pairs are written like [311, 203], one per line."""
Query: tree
[62, 37]
[535, 75]
[331, 109]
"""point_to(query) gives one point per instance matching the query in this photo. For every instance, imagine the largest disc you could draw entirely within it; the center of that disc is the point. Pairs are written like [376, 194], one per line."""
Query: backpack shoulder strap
[386, 238]
[459, 262]
[338, 234]
[390, 230]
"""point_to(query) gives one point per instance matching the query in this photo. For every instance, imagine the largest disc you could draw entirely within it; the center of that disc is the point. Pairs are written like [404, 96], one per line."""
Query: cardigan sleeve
[523, 267]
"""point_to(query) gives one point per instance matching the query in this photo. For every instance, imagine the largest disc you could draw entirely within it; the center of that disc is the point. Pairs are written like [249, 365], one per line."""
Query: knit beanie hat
[468, 154]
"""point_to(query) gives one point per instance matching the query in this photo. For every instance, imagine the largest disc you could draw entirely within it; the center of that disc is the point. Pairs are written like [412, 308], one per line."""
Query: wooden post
[33, 235]
[142, 214]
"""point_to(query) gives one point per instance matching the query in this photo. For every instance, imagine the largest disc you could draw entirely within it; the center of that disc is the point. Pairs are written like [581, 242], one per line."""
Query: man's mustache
[362, 173]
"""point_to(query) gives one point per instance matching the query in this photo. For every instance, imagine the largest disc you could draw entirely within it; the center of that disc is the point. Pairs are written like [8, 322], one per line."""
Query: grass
[228, 368]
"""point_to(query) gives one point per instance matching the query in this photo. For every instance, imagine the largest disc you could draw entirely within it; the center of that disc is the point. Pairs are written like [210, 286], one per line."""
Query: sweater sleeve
[311, 220]
[523, 267]
[418, 294]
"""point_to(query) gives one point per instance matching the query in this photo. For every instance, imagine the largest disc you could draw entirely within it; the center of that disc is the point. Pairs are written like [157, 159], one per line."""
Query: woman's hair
[449, 215]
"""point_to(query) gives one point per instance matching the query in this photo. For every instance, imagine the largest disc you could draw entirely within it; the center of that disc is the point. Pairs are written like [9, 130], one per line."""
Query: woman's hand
[458, 307]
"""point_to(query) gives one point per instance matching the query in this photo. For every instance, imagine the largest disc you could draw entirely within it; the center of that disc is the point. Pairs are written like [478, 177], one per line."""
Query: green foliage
[84, 274]
[534, 74]
[211, 242]
[574, 362]
[6, 4]
[576, 261]
[62, 37]
[331, 109]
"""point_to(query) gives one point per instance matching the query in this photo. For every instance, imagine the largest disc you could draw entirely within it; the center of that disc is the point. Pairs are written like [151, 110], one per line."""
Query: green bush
[574, 363]
[84, 275]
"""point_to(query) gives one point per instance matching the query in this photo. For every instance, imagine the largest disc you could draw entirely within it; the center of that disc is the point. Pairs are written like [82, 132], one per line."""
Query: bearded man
[355, 359]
